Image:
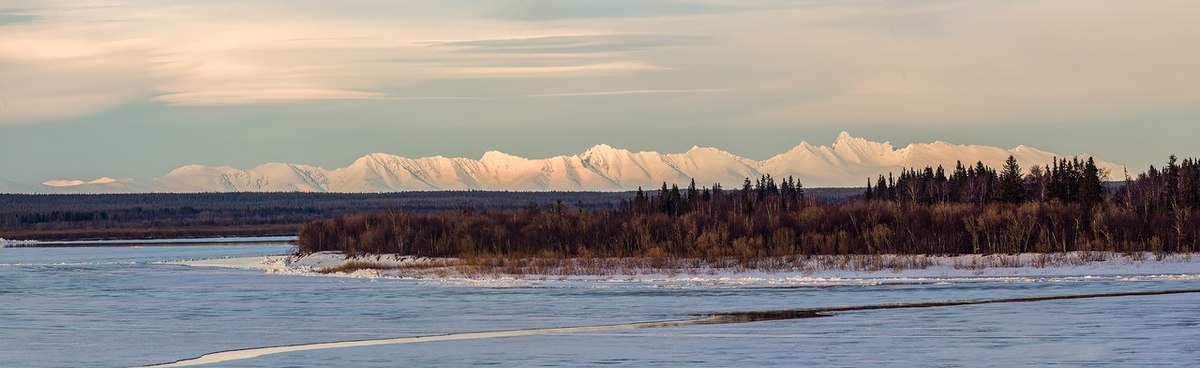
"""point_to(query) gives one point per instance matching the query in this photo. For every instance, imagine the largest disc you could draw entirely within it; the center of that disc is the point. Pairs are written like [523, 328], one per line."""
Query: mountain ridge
[848, 162]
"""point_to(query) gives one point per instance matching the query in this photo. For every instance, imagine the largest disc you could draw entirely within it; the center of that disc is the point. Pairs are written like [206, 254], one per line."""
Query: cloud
[557, 70]
[49, 73]
[12, 17]
[216, 54]
[783, 62]
[542, 10]
[262, 95]
[628, 92]
[573, 44]
[987, 63]
[290, 95]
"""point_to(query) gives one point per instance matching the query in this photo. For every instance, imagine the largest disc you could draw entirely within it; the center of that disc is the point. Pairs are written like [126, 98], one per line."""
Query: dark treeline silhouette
[130, 216]
[1067, 181]
[139, 216]
[973, 210]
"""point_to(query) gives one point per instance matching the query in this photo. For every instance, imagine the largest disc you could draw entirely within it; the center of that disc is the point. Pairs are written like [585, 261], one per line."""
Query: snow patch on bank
[314, 264]
[816, 271]
[14, 243]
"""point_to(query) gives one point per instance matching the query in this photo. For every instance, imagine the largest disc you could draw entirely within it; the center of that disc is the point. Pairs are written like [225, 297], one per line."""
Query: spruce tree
[1091, 191]
[1012, 184]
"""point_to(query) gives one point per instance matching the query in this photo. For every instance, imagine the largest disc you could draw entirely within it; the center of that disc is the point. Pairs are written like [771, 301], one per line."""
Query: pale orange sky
[132, 88]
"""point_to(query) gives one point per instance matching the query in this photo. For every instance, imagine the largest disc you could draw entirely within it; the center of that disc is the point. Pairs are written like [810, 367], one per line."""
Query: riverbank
[800, 271]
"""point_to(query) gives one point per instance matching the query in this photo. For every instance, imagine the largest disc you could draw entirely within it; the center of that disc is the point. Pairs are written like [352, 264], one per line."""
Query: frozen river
[118, 306]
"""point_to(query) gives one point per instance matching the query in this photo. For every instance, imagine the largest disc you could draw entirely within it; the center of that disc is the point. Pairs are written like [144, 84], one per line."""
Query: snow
[849, 161]
[1078, 266]
[13, 243]
[63, 183]
[74, 183]
[243, 354]
[501, 160]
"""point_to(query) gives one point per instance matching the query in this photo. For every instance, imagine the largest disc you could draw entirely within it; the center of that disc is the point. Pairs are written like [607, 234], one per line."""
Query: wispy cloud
[470, 74]
[280, 95]
[544, 10]
[994, 63]
[14, 17]
[573, 44]
[558, 70]
[72, 60]
[629, 92]
[826, 62]
[50, 73]
[290, 95]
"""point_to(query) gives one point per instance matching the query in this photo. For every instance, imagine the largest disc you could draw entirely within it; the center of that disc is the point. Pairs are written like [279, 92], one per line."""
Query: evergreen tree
[1091, 191]
[799, 189]
[639, 202]
[881, 189]
[675, 200]
[664, 195]
[1012, 184]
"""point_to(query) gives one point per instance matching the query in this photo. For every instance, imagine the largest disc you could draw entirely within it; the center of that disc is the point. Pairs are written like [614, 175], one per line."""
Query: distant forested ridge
[169, 215]
[967, 210]
[138, 216]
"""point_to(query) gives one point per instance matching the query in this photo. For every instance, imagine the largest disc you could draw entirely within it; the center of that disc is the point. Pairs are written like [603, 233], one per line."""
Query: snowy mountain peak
[380, 156]
[191, 170]
[373, 160]
[499, 160]
[859, 151]
[846, 162]
[187, 168]
[602, 149]
[74, 183]
[63, 183]
[703, 150]
[851, 144]
[1027, 149]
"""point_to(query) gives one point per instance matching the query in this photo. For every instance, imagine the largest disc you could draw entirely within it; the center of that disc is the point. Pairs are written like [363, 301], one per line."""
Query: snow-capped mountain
[271, 177]
[849, 161]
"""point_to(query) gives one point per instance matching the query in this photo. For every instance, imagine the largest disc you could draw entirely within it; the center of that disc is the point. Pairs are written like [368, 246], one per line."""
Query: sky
[137, 88]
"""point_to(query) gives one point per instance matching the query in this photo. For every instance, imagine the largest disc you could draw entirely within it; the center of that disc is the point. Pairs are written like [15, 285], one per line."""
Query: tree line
[1067, 181]
[136, 216]
[1060, 207]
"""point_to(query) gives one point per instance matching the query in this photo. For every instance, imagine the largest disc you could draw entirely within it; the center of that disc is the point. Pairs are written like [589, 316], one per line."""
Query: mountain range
[849, 161]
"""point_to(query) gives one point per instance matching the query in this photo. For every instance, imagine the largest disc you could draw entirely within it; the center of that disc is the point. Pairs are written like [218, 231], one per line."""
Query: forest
[144, 216]
[976, 209]
[174, 215]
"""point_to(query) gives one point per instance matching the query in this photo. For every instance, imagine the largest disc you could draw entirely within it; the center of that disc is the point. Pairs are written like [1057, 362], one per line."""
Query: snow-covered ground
[814, 271]
[13, 243]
